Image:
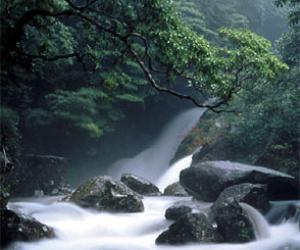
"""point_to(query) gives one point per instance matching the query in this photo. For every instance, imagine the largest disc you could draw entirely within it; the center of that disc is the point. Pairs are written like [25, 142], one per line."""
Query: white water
[172, 174]
[81, 229]
[151, 162]
[260, 225]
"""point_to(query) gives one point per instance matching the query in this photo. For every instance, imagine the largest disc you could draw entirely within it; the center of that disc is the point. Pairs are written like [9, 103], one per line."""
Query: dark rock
[37, 172]
[232, 222]
[194, 205]
[206, 180]
[189, 228]
[20, 228]
[284, 211]
[175, 212]
[103, 193]
[62, 190]
[175, 189]
[252, 194]
[222, 149]
[140, 185]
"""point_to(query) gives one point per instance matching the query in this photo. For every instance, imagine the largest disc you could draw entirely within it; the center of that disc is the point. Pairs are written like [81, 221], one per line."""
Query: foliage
[206, 17]
[294, 9]
[10, 136]
[79, 66]
[288, 47]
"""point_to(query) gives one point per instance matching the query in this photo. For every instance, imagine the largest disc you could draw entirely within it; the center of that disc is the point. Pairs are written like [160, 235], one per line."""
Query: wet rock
[175, 189]
[252, 194]
[140, 185]
[193, 227]
[284, 211]
[175, 212]
[16, 227]
[222, 149]
[206, 180]
[232, 222]
[62, 190]
[103, 193]
[37, 172]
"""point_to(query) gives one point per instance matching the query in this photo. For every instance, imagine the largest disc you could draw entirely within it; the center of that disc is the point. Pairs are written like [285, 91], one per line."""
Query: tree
[73, 63]
[294, 9]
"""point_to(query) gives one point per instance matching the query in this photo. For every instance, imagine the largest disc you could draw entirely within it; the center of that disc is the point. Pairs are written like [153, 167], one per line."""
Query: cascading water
[153, 161]
[82, 229]
[172, 174]
[260, 225]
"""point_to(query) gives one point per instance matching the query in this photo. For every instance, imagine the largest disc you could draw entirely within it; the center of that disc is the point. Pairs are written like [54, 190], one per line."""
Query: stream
[84, 229]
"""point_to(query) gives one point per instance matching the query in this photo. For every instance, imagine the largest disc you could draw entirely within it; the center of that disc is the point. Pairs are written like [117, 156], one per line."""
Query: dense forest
[185, 114]
[75, 74]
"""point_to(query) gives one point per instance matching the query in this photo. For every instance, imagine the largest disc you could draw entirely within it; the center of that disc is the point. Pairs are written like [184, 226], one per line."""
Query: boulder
[16, 227]
[221, 149]
[37, 172]
[175, 189]
[192, 227]
[206, 180]
[284, 211]
[140, 185]
[103, 193]
[175, 212]
[232, 222]
[252, 194]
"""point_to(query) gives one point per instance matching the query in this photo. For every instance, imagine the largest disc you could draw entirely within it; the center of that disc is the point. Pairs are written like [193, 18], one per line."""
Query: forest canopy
[71, 66]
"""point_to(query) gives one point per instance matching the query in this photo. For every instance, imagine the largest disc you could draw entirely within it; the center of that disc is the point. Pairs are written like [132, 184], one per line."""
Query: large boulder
[284, 211]
[192, 227]
[32, 173]
[175, 189]
[16, 227]
[232, 222]
[175, 212]
[140, 185]
[103, 193]
[206, 180]
[252, 194]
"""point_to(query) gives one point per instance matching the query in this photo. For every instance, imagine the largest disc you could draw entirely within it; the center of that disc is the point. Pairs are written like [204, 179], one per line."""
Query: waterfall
[151, 162]
[261, 226]
[172, 174]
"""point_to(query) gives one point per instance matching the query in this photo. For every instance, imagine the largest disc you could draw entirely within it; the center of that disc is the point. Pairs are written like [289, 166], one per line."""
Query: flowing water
[153, 161]
[82, 229]
[172, 174]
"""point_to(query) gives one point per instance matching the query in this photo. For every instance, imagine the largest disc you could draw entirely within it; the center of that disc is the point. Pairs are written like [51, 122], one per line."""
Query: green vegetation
[72, 70]
[264, 126]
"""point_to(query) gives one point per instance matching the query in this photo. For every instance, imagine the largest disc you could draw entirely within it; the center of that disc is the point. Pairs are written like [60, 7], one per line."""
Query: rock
[252, 194]
[37, 172]
[284, 211]
[103, 193]
[193, 227]
[140, 185]
[175, 189]
[20, 228]
[62, 190]
[206, 180]
[232, 222]
[175, 212]
[221, 149]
